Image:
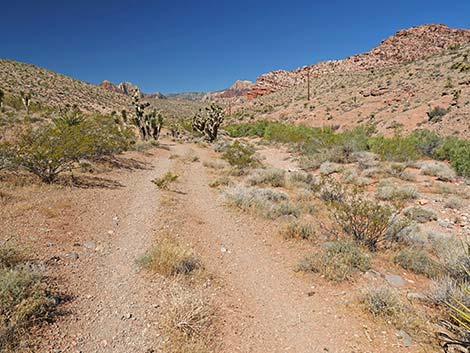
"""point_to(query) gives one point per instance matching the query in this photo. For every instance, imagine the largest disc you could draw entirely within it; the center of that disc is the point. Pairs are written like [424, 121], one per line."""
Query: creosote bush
[49, 150]
[366, 221]
[337, 262]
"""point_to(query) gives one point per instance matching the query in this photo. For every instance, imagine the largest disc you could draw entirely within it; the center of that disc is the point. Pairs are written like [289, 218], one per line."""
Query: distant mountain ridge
[128, 89]
[406, 45]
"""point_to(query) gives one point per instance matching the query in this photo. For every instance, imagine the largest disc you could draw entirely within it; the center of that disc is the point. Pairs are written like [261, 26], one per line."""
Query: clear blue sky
[201, 45]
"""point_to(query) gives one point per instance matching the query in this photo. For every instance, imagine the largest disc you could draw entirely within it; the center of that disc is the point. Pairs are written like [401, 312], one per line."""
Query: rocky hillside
[432, 93]
[406, 45]
[54, 90]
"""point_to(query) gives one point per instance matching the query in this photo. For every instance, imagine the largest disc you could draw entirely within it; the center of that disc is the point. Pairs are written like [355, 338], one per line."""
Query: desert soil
[263, 305]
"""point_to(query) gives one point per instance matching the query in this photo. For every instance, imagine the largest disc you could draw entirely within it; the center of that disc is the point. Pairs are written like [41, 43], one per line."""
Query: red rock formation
[406, 45]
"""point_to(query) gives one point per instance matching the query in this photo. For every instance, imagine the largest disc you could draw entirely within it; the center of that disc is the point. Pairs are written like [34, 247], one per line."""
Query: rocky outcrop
[239, 89]
[128, 89]
[406, 45]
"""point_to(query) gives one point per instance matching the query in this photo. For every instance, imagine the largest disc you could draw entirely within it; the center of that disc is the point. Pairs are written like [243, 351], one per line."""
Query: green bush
[397, 148]
[457, 152]
[47, 151]
[240, 155]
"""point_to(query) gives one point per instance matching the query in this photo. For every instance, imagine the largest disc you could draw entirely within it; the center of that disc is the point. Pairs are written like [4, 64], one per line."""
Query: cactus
[149, 124]
[26, 99]
[207, 121]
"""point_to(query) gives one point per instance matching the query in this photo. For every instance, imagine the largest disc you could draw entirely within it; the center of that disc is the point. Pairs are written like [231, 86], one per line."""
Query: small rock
[423, 202]
[395, 280]
[90, 245]
[73, 256]
[407, 341]
[115, 221]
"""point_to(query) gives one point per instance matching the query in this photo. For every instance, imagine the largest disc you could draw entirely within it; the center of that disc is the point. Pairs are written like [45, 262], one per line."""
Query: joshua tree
[207, 121]
[149, 124]
[26, 99]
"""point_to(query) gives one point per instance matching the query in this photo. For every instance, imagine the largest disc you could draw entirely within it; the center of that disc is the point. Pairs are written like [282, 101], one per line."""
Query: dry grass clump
[328, 168]
[454, 202]
[298, 230]
[439, 170]
[165, 181]
[391, 192]
[266, 202]
[337, 262]
[217, 164]
[300, 179]
[385, 303]
[220, 181]
[420, 214]
[419, 262]
[271, 177]
[25, 300]
[189, 322]
[168, 258]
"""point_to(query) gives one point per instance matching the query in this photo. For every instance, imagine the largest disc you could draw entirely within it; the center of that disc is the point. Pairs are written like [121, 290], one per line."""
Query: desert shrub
[240, 155]
[328, 168]
[426, 141]
[439, 170]
[221, 181]
[337, 261]
[436, 114]
[300, 179]
[168, 258]
[420, 214]
[266, 202]
[251, 129]
[397, 148]
[454, 202]
[165, 181]
[215, 164]
[418, 261]
[391, 192]
[6, 156]
[271, 176]
[298, 230]
[284, 208]
[382, 302]
[366, 221]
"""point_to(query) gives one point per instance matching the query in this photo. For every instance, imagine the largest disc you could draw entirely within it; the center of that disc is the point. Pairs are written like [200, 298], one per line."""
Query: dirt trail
[268, 308]
[265, 306]
[116, 308]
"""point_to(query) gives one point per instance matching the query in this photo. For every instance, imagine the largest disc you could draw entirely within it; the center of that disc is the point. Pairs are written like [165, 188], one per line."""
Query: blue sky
[176, 45]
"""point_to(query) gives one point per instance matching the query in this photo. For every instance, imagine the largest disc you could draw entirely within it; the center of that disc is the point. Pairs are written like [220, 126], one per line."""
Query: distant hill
[54, 89]
[406, 45]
